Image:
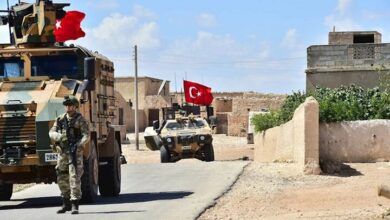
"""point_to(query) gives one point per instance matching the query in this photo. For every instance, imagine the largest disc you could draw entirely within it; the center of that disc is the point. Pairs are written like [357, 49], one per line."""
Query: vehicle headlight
[169, 140]
[202, 138]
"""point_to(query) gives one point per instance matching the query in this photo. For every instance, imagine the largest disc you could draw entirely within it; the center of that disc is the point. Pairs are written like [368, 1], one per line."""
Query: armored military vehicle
[183, 137]
[36, 73]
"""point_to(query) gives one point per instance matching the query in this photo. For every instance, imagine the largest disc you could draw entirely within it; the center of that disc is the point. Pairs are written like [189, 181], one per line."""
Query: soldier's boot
[75, 207]
[66, 206]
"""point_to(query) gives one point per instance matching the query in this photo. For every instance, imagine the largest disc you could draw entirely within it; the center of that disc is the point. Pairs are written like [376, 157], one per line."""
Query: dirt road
[277, 191]
[225, 148]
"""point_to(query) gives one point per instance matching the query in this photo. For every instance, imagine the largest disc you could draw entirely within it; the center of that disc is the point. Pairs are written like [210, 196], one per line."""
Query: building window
[121, 116]
[363, 38]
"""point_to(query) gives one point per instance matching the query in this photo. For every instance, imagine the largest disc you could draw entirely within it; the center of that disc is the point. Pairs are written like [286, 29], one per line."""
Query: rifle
[72, 142]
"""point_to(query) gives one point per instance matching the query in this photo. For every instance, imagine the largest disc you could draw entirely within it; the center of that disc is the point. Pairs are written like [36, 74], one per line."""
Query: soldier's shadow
[55, 201]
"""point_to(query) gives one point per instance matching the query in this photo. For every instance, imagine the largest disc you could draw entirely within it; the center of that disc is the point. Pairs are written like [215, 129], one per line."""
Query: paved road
[149, 191]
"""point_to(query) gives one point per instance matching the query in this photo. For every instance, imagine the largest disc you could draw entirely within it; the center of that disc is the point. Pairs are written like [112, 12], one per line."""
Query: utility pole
[9, 20]
[136, 99]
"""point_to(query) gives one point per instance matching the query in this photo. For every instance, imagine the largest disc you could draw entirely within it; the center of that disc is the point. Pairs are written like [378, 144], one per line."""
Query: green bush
[341, 104]
[267, 120]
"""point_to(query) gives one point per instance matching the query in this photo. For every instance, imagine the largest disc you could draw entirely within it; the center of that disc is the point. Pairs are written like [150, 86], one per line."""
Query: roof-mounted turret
[33, 23]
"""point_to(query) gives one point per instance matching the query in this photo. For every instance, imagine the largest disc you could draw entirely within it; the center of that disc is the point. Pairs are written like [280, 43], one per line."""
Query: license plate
[50, 157]
[186, 147]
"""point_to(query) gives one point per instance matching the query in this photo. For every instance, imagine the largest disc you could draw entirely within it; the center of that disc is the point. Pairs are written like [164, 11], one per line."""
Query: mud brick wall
[223, 105]
[222, 126]
[297, 140]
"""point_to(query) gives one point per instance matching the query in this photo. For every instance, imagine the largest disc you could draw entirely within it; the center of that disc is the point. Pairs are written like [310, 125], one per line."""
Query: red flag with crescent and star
[68, 28]
[197, 93]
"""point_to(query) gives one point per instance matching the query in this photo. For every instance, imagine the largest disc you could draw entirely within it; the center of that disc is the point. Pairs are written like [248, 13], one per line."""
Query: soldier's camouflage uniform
[69, 177]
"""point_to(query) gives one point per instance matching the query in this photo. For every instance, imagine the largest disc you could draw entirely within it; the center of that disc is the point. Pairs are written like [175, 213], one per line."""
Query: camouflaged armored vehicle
[183, 137]
[35, 76]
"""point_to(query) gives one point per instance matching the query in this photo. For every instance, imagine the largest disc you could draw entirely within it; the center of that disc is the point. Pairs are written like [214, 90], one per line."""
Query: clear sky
[229, 45]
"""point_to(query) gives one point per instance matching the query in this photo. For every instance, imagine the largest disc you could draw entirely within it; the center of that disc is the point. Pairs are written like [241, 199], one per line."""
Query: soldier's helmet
[71, 100]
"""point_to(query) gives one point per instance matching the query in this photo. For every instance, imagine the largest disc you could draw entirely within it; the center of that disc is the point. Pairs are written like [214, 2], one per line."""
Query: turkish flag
[68, 28]
[197, 93]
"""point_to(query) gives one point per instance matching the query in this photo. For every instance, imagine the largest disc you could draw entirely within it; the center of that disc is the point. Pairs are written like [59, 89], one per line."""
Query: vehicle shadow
[142, 197]
[54, 201]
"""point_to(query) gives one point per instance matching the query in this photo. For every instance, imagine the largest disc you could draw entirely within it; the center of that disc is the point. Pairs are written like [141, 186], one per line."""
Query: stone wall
[357, 141]
[296, 140]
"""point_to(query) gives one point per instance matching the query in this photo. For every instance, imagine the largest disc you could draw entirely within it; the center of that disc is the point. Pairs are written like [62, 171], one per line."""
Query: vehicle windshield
[185, 124]
[55, 66]
[11, 67]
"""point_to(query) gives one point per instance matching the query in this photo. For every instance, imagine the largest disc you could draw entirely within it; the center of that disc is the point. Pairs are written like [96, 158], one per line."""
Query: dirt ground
[277, 191]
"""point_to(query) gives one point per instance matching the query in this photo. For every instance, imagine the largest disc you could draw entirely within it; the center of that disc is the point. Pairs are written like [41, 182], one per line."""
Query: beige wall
[147, 98]
[357, 141]
[296, 140]
[131, 121]
[275, 144]
[147, 86]
[121, 103]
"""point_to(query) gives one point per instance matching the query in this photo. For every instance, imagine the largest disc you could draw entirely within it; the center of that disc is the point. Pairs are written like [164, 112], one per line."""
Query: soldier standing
[70, 132]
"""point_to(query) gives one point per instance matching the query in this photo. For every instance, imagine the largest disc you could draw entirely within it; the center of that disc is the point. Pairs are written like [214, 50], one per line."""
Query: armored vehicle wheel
[110, 174]
[89, 180]
[164, 155]
[208, 152]
[6, 191]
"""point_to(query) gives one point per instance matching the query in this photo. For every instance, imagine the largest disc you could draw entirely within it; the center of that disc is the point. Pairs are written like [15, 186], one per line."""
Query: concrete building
[153, 94]
[349, 58]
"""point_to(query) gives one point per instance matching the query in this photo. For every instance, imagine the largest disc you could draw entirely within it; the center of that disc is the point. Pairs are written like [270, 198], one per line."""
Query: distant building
[230, 108]
[153, 94]
[349, 58]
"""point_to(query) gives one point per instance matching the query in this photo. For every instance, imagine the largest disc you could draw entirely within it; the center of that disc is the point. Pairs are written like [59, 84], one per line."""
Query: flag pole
[136, 99]
[182, 101]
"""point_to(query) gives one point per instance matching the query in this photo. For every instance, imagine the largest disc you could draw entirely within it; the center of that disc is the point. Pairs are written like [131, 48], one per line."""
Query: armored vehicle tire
[89, 180]
[208, 152]
[6, 191]
[164, 155]
[110, 174]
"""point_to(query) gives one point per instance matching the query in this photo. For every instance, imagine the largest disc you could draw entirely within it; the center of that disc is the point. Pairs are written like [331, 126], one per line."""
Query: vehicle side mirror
[84, 98]
[89, 68]
[213, 121]
[156, 125]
